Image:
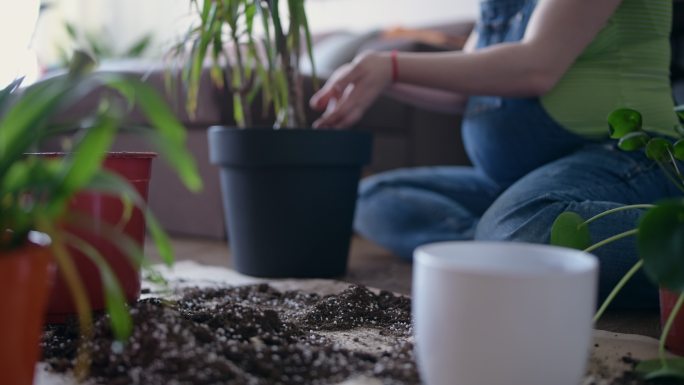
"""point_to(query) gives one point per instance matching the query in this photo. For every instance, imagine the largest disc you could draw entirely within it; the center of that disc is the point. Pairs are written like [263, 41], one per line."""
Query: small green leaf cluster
[626, 125]
[659, 233]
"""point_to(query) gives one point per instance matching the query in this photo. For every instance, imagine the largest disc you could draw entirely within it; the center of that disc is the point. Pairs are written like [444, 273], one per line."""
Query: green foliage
[660, 232]
[678, 149]
[100, 45]
[660, 242]
[633, 141]
[658, 149]
[569, 230]
[35, 190]
[623, 121]
[248, 64]
[672, 368]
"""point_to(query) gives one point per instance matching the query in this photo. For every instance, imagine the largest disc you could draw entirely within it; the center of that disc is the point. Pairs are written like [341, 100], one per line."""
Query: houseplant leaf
[660, 242]
[657, 368]
[108, 182]
[678, 149]
[623, 121]
[115, 300]
[92, 149]
[658, 149]
[633, 141]
[171, 136]
[569, 230]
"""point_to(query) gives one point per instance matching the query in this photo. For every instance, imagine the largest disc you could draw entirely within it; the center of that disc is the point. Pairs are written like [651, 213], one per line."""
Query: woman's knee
[529, 220]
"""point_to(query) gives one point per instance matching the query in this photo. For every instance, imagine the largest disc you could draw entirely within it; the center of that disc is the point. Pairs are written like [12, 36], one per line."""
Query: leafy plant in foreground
[35, 190]
[659, 233]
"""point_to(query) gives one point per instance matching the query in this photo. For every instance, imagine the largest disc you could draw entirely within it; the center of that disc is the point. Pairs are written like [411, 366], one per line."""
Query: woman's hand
[351, 89]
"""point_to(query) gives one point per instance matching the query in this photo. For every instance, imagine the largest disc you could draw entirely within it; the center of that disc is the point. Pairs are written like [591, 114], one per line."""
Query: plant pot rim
[110, 154]
[232, 146]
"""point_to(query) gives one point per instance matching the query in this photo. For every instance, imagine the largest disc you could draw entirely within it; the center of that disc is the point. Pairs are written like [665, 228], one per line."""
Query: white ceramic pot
[492, 313]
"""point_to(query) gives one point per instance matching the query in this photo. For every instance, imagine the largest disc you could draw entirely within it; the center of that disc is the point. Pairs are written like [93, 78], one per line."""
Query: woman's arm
[430, 98]
[558, 32]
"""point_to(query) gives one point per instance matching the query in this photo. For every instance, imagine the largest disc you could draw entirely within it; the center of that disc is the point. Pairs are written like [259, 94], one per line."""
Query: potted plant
[659, 233]
[36, 191]
[289, 193]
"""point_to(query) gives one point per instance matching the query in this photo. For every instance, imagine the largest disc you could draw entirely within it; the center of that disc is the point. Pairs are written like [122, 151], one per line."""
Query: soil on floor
[254, 335]
[247, 335]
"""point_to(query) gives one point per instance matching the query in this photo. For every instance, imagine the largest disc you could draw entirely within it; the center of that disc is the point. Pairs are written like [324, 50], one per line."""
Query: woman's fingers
[345, 111]
[354, 87]
[333, 88]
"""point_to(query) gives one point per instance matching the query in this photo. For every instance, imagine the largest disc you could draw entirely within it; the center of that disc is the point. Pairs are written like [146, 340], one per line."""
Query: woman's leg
[405, 208]
[588, 182]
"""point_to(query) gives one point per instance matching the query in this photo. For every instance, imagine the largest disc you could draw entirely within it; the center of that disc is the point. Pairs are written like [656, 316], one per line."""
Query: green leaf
[679, 129]
[28, 115]
[309, 43]
[6, 92]
[81, 63]
[570, 230]
[678, 149]
[623, 121]
[680, 112]
[71, 30]
[660, 242]
[161, 240]
[115, 300]
[633, 141]
[114, 184]
[668, 368]
[169, 136]
[91, 151]
[139, 47]
[658, 149]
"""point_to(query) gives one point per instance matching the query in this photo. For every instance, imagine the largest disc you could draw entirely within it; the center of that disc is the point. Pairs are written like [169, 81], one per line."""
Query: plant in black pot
[289, 192]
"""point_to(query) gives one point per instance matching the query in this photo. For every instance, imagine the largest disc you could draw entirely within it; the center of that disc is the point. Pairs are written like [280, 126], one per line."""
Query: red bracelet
[395, 66]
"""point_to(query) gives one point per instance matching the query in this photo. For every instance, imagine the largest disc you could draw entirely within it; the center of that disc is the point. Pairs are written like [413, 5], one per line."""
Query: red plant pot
[106, 209]
[25, 278]
[675, 338]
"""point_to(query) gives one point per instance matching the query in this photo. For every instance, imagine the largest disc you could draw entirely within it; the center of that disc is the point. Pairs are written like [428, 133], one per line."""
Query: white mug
[502, 313]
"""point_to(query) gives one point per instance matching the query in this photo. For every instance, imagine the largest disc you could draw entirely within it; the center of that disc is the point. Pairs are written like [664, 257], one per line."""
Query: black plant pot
[289, 197]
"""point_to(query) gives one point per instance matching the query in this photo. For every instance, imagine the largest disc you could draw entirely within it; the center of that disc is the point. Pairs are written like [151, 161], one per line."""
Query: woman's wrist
[383, 63]
[395, 65]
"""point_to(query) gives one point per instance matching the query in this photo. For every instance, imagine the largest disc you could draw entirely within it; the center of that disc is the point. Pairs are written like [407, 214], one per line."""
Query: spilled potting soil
[251, 335]
[256, 334]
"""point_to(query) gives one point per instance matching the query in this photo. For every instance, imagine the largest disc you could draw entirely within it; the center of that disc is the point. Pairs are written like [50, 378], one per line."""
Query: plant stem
[617, 209]
[672, 179]
[674, 165]
[239, 91]
[667, 327]
[617, 288]
[611, 239]
[78, 293]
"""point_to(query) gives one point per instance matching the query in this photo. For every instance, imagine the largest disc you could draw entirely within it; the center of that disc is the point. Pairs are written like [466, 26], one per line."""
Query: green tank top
[627, 65]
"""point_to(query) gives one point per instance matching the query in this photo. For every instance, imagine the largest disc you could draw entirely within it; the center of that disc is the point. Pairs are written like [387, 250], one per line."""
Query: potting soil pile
[213, 326]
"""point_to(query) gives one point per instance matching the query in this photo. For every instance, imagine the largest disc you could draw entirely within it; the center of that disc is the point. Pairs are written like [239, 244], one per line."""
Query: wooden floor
[373, 266]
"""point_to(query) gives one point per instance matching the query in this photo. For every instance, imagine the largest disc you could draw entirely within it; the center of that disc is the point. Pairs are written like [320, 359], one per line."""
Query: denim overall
[527, 170]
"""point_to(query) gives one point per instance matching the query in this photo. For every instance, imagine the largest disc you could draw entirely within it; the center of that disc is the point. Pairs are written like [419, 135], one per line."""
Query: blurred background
[146, 28]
